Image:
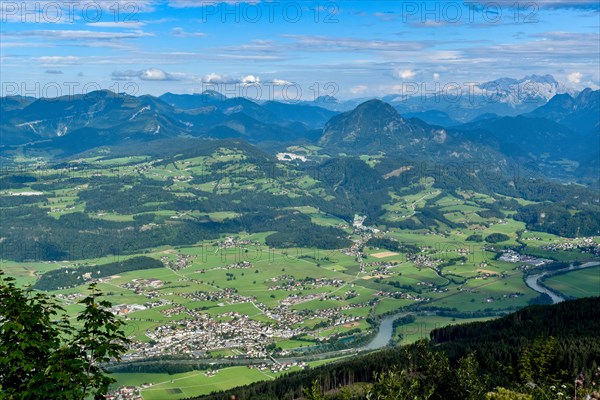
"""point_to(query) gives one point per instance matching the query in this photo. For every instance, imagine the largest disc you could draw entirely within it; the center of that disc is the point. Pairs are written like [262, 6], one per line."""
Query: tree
[423, 371]
[538, 363]
[466, 380]
[395, 385]
[497, 238]
[314, 392]
[505, 394]
[539, 368]
[43, 356]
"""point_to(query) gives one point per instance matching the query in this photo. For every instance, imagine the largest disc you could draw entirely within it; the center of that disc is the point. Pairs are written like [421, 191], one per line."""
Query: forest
[558, 220]
[69, 277]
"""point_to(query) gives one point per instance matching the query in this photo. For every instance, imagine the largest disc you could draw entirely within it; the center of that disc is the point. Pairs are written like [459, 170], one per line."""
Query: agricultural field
[423, 325]
[580, 283]
[161, 386]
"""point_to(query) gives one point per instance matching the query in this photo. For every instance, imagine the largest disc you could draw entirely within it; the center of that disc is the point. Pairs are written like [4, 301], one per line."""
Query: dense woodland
[558, 220]
[69, 277]
[527, 352]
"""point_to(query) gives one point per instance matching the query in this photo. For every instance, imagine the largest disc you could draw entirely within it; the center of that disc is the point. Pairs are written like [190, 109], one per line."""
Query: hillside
[375, 126]
[69, 126]
[579, 113]
[497, 347]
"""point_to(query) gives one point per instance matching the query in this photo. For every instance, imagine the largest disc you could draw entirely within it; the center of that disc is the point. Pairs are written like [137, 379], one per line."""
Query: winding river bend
[533, 281]
[384, 334]
[386, 328]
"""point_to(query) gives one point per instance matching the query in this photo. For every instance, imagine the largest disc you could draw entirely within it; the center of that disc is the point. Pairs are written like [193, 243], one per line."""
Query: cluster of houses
[124, 309]
[182, 261]
[422, 261]
[364, 234]
[237, 265]
[402, 295]
[381, 267]
[139, 285]
[288, 317]
[124, 393]
[202, 333]
[467, 290]
[71, 297]
[505, 296]
[169, 312]
[278, 367]
[294, 299]
[230, 242]
[490, 274]
[585, 243]
[290, 157]
[199, 333]
[307, 284]
[512, 256]
[229, 295]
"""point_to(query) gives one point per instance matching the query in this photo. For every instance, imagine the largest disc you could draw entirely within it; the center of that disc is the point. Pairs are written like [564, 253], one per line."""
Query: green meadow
[580, 283]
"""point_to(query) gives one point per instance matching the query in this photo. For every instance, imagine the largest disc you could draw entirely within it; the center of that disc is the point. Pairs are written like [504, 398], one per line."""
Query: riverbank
[535, 282]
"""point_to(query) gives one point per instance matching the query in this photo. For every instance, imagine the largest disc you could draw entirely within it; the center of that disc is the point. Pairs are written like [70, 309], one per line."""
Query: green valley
[223, 259]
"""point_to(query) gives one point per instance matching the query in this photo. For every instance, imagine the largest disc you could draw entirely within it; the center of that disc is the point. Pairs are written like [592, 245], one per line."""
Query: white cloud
[250, 80]
[217, 78]
[281, 82]
[6, 45]
[407, 74]
[205, 3]
[124, 75]
[58, 59]
[436, 76]
[358, 89]
[180, 32]
[149, 74]
[118, 24]
[153, 74]
[244, 80]
[386, 16]
[575, 77]
[78, 35]
[325, 43]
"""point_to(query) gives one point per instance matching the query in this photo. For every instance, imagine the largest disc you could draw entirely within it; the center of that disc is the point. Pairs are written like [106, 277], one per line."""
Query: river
[384, 335]
[533, 281]
[386, 327]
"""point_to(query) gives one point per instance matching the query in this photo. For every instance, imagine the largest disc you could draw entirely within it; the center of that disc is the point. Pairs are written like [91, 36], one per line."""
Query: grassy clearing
[581, 283]
[423, 325]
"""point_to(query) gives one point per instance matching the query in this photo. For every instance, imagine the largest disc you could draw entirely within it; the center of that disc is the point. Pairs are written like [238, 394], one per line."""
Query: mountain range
[559, 138]
[462, 102]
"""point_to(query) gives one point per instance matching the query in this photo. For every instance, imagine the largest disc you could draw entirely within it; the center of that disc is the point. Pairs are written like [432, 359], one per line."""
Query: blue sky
[342, 48]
